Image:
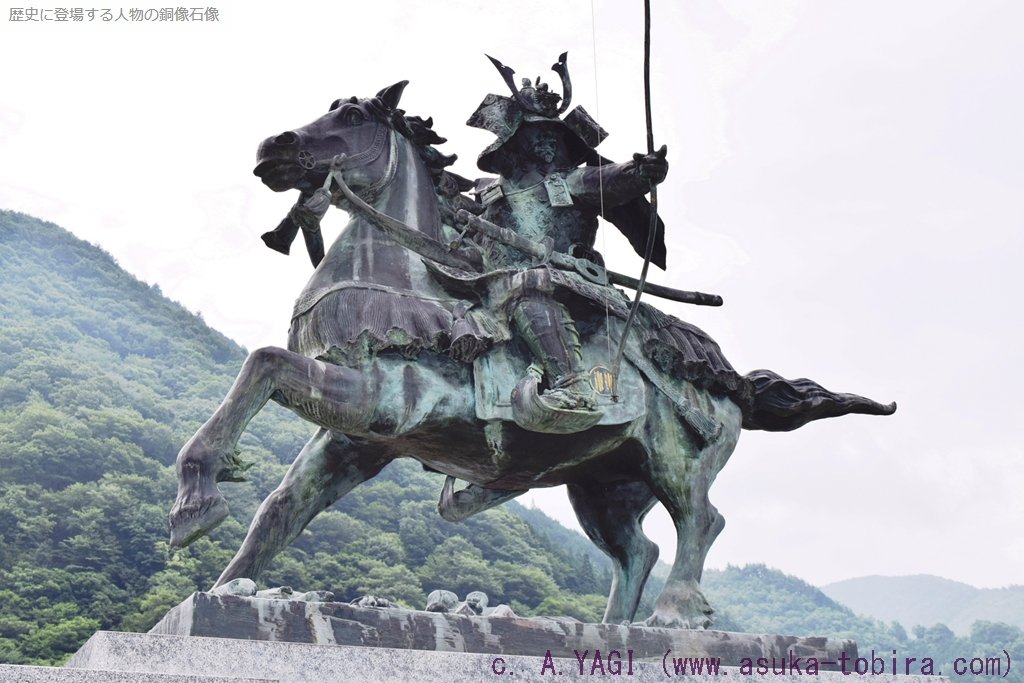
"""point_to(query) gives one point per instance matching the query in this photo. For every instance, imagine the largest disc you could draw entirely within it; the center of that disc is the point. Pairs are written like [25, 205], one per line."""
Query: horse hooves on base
[190, 522]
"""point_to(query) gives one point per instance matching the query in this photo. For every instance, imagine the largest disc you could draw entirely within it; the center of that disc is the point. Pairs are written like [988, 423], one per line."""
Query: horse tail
[782, 405]
[768, 401]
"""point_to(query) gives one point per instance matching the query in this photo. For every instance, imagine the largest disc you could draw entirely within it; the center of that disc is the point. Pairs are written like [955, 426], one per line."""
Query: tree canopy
[102, 379]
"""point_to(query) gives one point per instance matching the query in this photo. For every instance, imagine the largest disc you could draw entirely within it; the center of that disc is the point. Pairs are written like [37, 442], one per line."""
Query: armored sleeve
[619, 190]
[618, 183]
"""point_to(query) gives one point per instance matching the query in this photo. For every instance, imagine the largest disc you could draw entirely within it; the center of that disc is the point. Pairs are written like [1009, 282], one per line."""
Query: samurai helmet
[535, 104]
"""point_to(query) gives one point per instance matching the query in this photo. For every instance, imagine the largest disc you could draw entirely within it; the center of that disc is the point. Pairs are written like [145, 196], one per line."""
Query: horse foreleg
[680, 474]
[327, 468]
[611, 515]
[325, 394]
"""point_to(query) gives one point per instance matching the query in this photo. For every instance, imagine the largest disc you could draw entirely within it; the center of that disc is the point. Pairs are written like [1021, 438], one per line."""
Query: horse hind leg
[328, 467]
[680, 474]
[611, 515]
[682, 603]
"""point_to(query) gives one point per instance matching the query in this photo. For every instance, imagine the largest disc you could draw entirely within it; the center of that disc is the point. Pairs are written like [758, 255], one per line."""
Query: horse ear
[392, 94]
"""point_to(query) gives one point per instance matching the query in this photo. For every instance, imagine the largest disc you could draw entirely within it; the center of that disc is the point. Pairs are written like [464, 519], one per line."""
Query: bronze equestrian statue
[542, 194]
[472, 335]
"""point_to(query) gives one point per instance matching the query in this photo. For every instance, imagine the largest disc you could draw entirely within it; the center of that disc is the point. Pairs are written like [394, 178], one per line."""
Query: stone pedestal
[230, 616]
[48, 674]
[216, 637]
[304, 663]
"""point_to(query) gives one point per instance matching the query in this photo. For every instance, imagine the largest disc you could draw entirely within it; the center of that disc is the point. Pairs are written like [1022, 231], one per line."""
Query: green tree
[457, 565]
[51, 643]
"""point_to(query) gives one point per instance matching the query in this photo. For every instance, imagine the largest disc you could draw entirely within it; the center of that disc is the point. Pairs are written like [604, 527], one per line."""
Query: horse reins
[344, 162]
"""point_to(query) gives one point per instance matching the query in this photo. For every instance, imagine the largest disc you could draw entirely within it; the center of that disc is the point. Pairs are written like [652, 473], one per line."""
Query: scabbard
[682, 296]
[538, 250]
[543, 252]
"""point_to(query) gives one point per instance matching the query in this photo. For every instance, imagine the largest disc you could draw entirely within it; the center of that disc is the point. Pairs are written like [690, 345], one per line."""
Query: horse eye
[354, 117]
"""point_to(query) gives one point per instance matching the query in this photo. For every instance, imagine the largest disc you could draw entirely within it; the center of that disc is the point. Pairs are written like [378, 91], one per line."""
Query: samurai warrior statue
[551, 188]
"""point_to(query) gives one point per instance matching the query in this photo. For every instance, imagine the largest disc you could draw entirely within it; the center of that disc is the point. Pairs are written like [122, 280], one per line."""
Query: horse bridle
[307, 213]
[343, 162]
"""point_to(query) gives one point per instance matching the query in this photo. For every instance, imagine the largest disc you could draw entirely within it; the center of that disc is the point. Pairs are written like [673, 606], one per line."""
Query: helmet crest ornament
[538, 99]
[535, 103]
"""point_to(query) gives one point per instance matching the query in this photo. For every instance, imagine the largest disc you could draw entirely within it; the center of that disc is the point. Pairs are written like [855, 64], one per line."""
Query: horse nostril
[288, 138]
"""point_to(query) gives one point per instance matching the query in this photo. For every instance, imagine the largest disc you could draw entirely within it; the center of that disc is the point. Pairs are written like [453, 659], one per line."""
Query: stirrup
[546, 413]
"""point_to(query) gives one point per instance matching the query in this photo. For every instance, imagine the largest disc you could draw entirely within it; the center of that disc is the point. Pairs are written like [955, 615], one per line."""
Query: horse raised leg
[611, 514]
[457, 506]
[327, 468]
[330, 396]
[680, 474]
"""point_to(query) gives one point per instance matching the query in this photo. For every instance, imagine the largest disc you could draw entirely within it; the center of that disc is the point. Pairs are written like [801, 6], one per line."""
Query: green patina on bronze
[417, 336]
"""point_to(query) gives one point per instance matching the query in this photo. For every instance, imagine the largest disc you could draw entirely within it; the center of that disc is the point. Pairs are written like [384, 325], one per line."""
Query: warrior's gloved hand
[654, 167]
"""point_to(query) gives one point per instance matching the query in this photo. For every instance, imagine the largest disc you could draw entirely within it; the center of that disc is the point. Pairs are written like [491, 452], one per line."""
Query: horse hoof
[191, 521]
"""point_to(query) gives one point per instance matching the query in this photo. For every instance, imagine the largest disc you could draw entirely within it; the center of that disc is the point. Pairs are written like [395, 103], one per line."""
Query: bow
[648, 252]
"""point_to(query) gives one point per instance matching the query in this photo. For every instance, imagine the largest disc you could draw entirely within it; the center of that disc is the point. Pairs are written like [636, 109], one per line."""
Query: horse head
[358, 128]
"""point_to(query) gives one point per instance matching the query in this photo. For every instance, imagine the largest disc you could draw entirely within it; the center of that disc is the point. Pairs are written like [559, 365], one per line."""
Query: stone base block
[304, 663]
[47, 674]
[231, 616]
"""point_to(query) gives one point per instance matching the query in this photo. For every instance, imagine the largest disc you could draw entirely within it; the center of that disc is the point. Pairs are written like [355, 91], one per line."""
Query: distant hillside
[926, 600]
[102, 379]
[758, 599]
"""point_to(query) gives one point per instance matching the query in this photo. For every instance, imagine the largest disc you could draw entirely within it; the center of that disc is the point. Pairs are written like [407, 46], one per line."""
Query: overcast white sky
[846, 174]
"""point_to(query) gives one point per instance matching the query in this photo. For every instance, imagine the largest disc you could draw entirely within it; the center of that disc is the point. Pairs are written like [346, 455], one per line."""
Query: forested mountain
[923, 599]
[762, 600]
[101, 381]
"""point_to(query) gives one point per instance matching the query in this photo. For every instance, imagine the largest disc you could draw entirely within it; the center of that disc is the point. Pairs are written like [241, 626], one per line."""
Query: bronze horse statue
[388, 362]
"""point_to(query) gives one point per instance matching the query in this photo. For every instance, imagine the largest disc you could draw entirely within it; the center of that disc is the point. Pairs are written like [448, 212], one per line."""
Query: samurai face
[541, 144]
[538, 146]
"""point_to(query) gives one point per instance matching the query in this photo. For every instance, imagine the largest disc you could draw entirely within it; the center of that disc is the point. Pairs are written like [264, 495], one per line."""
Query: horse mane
[448, 186]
